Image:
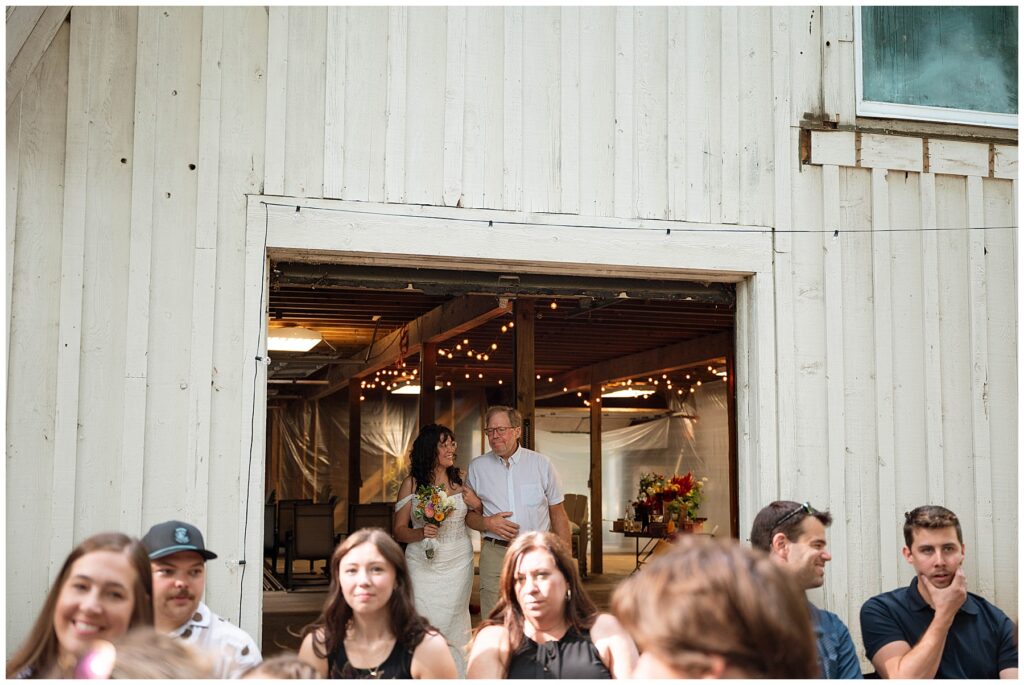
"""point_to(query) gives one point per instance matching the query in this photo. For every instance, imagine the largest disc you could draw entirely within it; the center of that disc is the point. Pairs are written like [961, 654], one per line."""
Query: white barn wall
[895, 351]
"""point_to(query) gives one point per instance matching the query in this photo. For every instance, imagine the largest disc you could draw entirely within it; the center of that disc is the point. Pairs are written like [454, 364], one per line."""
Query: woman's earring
[568, 595]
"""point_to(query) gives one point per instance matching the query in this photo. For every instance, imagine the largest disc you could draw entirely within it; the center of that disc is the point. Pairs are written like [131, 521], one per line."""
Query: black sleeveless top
[574, 656]
[397, 665]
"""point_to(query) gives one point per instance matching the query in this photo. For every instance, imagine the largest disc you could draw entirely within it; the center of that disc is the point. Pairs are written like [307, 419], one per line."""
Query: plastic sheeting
[308, 450]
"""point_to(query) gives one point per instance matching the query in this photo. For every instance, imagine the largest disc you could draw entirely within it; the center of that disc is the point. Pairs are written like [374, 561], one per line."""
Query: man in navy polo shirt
[935, 628]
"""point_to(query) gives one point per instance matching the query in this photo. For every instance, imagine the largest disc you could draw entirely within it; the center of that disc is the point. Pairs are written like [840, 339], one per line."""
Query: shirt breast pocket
[533, 495]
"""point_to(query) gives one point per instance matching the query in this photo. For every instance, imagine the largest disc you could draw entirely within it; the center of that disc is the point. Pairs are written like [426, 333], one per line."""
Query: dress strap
[405, 500]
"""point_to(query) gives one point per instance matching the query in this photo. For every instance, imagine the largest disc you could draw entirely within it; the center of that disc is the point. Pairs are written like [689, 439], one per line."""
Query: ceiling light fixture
[630, 391]
[410, 389]
[292, 339]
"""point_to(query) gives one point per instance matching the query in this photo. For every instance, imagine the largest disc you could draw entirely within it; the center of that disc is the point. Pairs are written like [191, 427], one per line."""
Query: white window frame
[950, 115]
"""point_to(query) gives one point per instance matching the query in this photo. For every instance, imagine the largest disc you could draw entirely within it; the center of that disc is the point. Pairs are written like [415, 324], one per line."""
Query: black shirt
[574, 656]
[980, 642]
[397, 665]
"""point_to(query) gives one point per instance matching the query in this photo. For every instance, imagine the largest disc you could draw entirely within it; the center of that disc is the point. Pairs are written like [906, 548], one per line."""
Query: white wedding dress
[442, 585]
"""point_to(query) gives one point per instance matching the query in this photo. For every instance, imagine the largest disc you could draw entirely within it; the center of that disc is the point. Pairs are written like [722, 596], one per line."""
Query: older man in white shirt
[520, 492]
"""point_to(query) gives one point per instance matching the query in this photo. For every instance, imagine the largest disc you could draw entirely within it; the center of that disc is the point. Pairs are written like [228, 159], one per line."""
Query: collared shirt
[527, 487]
[837, 657]
[232, 648]
[980, 642]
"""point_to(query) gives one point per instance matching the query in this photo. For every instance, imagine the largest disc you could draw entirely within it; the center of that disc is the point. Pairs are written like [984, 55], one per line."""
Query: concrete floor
[285, 614]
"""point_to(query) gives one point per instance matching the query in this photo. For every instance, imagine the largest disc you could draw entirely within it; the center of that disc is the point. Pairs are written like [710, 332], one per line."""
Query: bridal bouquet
[431, 505]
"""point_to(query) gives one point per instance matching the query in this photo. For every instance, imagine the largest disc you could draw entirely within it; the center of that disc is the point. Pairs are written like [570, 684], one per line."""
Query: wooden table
[643, 553]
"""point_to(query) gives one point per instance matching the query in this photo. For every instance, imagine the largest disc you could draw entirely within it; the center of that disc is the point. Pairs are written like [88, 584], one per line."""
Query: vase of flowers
[677, 497]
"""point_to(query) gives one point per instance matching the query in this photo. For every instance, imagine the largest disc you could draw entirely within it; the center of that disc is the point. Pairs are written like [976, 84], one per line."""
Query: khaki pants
[492, 557]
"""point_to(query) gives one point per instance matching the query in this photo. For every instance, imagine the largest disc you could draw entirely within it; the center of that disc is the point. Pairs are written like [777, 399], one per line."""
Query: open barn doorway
[652, 359]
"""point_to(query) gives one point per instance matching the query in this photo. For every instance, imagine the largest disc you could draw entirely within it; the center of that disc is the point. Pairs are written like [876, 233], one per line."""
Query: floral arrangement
[431, 506]
[675, 495]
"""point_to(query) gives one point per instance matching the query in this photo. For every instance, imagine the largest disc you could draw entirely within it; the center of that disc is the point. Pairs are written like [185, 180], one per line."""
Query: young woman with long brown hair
[104, 588]
[369, 627]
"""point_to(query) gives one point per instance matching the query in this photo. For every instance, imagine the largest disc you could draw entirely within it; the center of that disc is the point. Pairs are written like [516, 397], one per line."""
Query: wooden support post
[355, 439]
[428, 374]
[596, 527]
[524, 367]
[314, 446]
[734, 461]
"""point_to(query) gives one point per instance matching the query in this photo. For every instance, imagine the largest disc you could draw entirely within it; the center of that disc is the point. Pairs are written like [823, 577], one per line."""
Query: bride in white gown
[441, 585]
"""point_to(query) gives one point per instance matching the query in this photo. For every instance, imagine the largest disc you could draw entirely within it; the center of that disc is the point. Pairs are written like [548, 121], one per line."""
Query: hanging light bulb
[465, 341]
[504, 329]
[494, 346]
[511, 324]
[458, 346]
[450, 356]
[554, 305]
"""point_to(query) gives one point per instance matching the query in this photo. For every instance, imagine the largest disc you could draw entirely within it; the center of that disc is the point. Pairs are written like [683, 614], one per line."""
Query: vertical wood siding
[895, 347]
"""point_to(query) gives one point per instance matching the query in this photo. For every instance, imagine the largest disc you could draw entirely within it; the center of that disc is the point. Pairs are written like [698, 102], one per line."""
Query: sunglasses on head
[805, 507]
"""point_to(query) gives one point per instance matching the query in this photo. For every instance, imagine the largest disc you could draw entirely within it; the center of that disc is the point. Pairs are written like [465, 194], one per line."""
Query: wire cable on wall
[490, 223]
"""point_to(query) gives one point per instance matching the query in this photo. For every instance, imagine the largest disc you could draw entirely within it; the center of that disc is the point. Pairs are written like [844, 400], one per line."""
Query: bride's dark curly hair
[423, 459]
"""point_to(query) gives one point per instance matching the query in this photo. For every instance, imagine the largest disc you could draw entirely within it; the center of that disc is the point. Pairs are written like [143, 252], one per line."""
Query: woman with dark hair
[104, 588]
[714, 609]
[441, 583]
[369, 627]
[544, 625]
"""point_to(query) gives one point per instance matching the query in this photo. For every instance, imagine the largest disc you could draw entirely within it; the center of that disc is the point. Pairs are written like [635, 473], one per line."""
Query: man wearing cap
[793, 535]
[178, 558]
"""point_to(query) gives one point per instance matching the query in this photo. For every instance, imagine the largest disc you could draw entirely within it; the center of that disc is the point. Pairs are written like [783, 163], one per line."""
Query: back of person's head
[41, 648]
[286, 666]
[786, 517]
[144, 653]
[715, 608]
[930, 517]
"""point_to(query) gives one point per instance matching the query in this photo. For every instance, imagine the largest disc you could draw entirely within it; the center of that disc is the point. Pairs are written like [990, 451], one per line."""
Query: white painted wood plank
[214, 24]
[454, 106]
[625, 203]
[677, 113]
[750, 483]
[482, 175]
[13, 159]
[394, 142]
[847, 65]
[782, 137]
[698, 147]
[861, 558]
[837, 148]
[731, 77]
[20, 22]
[424, 178]
[955, 376]
[335, 79]
[712, 100]
[1004, 163]
[304, 132]
[980, 379]
[243, 92]
[934, 443]
[836, 592]
[542, 184]
[766, 438]
[885, 429]
[805, 54]
[105, 256]
[1000, 274]
[21, 68]
[672, 245]
[174, 240]
[958, 158]
[597, 105]
[366, 104]
[35, 158]
[838, 63]
[569, 101]
[650, 84]
[277, 100]
[513, 104]
[136, 342]
[756, 148]
[69, 334]
[903, 153]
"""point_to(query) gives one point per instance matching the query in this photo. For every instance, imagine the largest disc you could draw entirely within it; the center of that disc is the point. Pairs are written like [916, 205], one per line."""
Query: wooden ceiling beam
[452, 318]
[660, 360]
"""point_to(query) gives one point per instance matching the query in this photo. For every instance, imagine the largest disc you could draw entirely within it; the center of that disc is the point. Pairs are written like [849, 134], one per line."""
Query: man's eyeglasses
[497, 430]
[805, 507]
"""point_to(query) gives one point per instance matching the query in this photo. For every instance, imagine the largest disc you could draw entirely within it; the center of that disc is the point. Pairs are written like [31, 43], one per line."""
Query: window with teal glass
[954, 64]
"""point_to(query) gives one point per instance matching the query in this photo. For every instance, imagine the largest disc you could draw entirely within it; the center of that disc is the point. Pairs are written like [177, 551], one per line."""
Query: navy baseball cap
[171, 537]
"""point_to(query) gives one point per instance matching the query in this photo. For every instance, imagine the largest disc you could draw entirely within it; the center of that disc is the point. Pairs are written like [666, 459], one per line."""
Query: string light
[554, 305]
